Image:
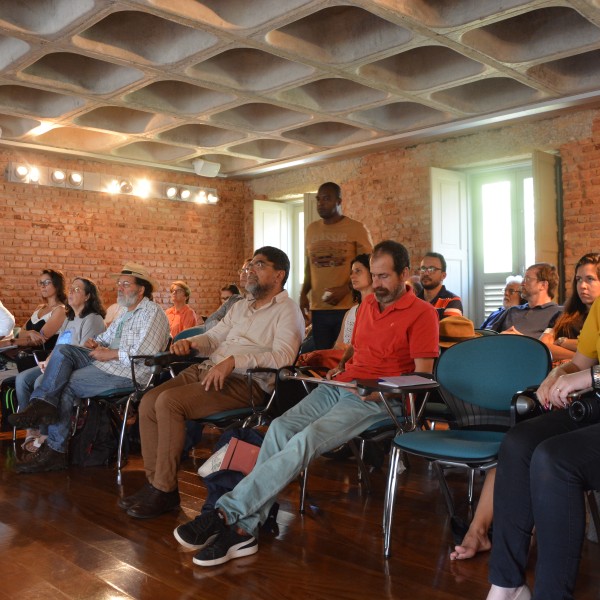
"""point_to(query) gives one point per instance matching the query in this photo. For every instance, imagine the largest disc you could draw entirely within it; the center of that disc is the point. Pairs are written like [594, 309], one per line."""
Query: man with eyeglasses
[511, 297]
[432, 273]
[262, 330]
[331, 243]
[539, 312]
[101, 364]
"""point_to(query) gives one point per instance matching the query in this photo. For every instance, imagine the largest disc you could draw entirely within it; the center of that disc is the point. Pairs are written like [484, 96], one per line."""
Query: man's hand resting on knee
[216, 375]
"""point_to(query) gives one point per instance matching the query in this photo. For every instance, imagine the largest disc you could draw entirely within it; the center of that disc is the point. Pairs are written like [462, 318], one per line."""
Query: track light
[75, 179]
[125, 187]
[58, 176]
[171, 192]
[34, 175]
[21, 172]
[184, 194]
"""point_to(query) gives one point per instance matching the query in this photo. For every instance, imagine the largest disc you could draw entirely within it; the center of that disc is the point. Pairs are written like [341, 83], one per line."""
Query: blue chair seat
[115, 392]
[453, 445]
[227, 415]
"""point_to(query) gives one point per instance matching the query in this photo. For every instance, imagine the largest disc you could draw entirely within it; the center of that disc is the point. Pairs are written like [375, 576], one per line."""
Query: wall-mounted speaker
[205, 167]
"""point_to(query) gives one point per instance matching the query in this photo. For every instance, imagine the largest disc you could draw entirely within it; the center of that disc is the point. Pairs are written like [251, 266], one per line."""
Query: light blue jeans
[326, 418]
[70, 374]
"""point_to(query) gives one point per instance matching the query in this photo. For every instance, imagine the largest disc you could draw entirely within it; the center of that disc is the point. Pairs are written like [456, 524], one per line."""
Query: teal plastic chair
[478, 379]
[191, 332]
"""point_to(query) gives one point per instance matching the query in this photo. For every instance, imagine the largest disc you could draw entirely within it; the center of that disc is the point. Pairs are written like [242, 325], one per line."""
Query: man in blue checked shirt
[101, 364]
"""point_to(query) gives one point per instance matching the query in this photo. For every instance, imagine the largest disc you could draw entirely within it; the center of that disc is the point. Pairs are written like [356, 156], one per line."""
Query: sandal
[32, 443]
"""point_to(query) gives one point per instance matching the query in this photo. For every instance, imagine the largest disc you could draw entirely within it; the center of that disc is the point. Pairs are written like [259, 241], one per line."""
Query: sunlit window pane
[528, 210]
[497, 227]
[300, 248]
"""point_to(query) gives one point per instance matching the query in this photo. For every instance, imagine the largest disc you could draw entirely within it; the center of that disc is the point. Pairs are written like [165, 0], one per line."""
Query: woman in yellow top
[544, 467]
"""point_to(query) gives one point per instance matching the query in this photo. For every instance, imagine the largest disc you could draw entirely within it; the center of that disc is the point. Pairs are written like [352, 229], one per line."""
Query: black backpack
[8, 397]
[96, 440]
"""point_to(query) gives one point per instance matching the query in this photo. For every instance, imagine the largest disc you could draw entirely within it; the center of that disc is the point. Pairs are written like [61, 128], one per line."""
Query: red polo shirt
[386, 343]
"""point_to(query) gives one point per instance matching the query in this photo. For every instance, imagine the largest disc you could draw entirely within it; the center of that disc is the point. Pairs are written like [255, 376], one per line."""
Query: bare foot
[473, 543]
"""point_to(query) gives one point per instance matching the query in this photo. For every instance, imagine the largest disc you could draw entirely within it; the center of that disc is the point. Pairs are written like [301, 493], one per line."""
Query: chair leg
[121, 438]
[388, 505]
[363, 472]
[303, 480]
[471, 485]
[444, 487]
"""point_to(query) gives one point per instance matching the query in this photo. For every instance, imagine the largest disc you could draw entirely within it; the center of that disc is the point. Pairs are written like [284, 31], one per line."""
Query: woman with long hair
[42, 327]
[562, 338]
[84, 320]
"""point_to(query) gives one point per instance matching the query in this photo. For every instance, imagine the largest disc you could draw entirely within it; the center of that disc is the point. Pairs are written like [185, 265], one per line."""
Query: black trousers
[544, 467]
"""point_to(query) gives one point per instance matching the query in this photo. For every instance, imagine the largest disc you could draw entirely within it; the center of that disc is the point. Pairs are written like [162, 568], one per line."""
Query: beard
[126, 301]
[429, 285]
[256, 290]
[385, 296]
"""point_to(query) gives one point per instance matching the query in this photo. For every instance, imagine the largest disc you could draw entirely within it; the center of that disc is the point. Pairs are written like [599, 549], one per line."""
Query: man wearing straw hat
[102, 364]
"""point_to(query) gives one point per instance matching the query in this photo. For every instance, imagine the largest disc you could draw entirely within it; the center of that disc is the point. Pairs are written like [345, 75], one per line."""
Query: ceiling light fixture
[21, 172]
[34, 175]
[58, 176]
[75, 179]
[107, 183]
[125, 186]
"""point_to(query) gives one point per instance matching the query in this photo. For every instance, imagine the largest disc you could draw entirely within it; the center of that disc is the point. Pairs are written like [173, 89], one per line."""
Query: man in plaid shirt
[102, 364]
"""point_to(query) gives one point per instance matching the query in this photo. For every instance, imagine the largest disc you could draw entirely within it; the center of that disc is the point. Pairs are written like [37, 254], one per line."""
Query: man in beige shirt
[264, 330]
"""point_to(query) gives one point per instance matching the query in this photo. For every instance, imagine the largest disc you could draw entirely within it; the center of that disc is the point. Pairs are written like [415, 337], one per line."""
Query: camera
[585, 408]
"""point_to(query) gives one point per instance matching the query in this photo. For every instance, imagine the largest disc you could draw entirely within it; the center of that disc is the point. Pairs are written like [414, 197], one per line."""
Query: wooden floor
[63, 536]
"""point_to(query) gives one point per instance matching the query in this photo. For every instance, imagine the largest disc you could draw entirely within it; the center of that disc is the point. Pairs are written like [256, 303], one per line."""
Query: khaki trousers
[165, 409]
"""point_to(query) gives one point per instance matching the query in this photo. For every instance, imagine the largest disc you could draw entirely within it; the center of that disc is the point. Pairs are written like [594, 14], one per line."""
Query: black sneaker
[201, 531]
[35, 414]
[228, 544]
[45, 459]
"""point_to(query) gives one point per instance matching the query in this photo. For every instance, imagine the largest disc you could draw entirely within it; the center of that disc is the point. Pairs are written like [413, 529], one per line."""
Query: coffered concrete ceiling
[260, 85]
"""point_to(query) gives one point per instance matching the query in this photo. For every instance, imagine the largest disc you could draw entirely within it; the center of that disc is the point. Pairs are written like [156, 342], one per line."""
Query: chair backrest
[486, 331]
[479, 377]
[186, 333]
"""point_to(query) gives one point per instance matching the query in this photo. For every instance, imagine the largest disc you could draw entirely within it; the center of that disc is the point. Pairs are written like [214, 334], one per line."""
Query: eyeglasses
[124, 284]
[258, 265]
[429, 269]
[177, 290]
[511, 292]
[75, 290]
[528, 279]
[45, 282]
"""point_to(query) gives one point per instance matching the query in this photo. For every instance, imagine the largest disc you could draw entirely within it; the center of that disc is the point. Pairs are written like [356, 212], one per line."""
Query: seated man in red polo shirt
[395, 333]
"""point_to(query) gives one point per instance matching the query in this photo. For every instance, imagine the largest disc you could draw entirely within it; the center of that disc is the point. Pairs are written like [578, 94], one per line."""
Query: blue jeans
[326, 325]
[545, 464]
[326, 418]
[70, 374]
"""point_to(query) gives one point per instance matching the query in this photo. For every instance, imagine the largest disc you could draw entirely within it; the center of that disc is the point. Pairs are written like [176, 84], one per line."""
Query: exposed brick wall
[93, 234]
[581, 196]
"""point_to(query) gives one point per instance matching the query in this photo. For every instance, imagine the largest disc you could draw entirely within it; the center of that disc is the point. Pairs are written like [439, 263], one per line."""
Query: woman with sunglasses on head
[42, 327]
[85, 319]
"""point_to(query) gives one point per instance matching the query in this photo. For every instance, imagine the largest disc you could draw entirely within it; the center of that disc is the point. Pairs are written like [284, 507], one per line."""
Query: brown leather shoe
[34, 414]
[45, 459]
[155, 504]
[129, 501]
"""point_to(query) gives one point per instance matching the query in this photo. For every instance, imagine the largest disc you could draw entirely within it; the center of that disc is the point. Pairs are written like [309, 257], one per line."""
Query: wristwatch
[560, 341]
[596, 377]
